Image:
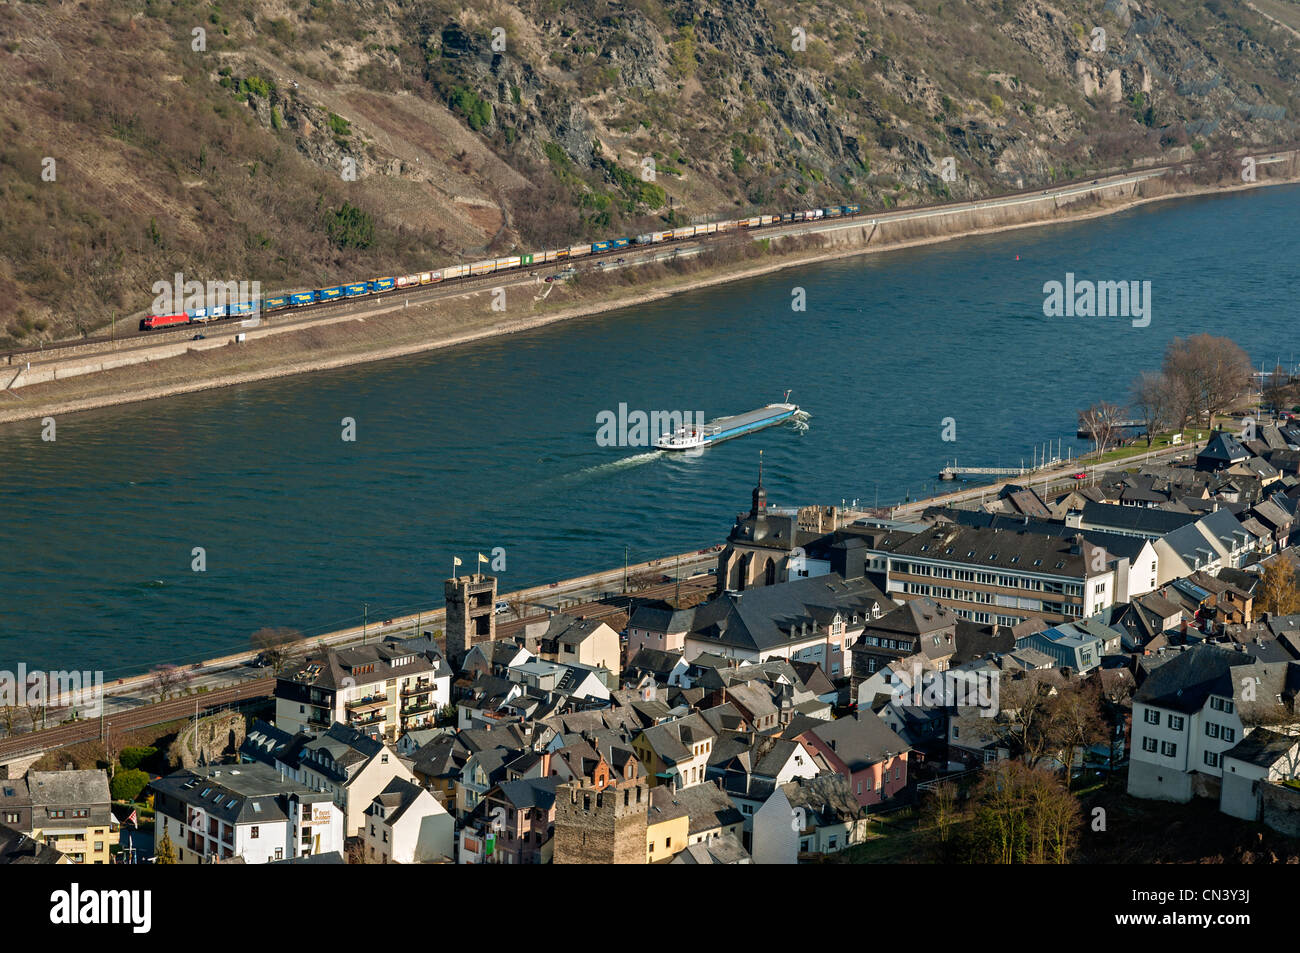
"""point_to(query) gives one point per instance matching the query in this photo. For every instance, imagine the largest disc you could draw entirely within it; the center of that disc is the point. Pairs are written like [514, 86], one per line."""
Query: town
[842, 685]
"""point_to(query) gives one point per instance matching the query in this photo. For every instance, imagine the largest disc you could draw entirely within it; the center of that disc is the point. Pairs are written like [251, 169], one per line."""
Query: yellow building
[71, 813]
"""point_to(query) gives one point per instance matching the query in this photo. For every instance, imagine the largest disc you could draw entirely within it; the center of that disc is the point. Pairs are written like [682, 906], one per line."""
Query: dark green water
[493, 444]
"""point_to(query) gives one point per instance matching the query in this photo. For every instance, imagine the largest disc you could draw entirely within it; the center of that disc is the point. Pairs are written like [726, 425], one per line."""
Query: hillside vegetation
[298, 142]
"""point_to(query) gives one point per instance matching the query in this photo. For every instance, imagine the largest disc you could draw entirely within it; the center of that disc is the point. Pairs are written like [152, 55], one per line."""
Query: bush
[476, 110]
[132, 758]
[350, 227]
[340, 126]
[127, 785]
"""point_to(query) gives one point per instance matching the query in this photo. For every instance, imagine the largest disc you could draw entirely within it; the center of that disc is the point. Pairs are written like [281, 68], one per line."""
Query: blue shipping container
[353, 291]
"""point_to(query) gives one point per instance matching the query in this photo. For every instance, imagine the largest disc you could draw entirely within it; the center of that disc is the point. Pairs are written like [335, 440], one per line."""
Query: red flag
[132, 819]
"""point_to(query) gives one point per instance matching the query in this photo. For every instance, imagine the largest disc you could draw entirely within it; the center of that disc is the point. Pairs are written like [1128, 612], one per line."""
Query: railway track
[60, 736]
[144, 716]
[470, 284]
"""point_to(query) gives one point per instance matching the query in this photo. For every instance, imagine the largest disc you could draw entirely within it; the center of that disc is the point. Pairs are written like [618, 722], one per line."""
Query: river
[492, 445]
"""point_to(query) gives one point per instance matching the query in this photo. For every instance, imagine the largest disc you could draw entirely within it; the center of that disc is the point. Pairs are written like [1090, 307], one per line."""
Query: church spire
[759, 508]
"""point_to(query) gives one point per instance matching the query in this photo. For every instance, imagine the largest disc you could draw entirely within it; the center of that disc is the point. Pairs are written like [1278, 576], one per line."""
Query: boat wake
[800, 421]
[587, 474]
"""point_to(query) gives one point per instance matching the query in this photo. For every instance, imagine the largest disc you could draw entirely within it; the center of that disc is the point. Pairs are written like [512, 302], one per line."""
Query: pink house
[863, 749]
[653, 627]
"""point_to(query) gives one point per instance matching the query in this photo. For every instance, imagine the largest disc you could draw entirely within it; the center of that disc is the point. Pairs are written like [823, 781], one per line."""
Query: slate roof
[1185, 681]
[58, 788]
[706, 804]
[858, 740]
[765, 617]
[1116, 544]
[724, 849]
[1135, 519]
[997, 549]
[391, 658]
[661, 618]
[18, 848]
[236, 794]
[656, 662]
[265, 743]
[338, 754]
[671, 741]
[1222, 449]
[525, 793]
[397, 797]
[1262, 748]
[826, 799]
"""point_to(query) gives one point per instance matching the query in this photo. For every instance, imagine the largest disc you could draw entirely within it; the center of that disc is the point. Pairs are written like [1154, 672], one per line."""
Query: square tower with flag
[471, 611]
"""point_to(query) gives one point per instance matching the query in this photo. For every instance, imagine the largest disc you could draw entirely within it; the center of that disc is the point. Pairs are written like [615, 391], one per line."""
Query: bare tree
[1152, 398]
[942, 809]
[1101, 423]
[165, 679]
[1023, 815]
[1211, 372]
[274, 645]
[9, 718]
[1076, 722]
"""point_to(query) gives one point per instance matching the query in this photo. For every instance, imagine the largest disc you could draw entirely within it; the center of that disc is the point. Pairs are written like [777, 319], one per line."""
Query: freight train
[488, 266]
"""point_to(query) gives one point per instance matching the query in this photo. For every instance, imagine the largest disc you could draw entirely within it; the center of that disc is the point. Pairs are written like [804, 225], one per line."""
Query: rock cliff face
[737, 104]
[461, 128]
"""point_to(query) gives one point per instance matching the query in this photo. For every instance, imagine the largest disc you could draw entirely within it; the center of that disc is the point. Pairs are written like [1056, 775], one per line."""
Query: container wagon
[483, 267]
[455, 271]
[380, 285]
[356, 290]
[275, 304]
[300, 298]
[575, 250]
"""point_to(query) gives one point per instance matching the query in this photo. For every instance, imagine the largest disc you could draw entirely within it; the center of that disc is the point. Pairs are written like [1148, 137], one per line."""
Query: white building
[247, 811]
[405, 824]
[349, 766]
[1194, 708]
[384, 688]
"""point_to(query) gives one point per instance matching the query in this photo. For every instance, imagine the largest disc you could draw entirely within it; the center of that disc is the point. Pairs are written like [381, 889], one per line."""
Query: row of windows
[1212, 729]
[989, 578]
[986, 618]
[987, 598]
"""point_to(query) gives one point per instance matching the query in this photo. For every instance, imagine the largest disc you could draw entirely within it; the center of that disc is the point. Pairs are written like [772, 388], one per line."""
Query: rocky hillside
[304, 141]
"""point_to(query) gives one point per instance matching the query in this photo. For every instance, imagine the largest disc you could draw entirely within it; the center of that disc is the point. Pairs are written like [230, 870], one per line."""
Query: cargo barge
[693, 437]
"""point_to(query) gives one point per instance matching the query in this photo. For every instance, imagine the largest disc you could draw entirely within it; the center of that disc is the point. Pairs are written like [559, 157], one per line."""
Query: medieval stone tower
[601, 826]
[471, 612]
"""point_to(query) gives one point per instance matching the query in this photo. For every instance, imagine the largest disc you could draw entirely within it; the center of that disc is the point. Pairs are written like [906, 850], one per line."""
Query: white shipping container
[579, 250]
[510, 262]
[482, 267]
[426, 277]
[455, 271]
